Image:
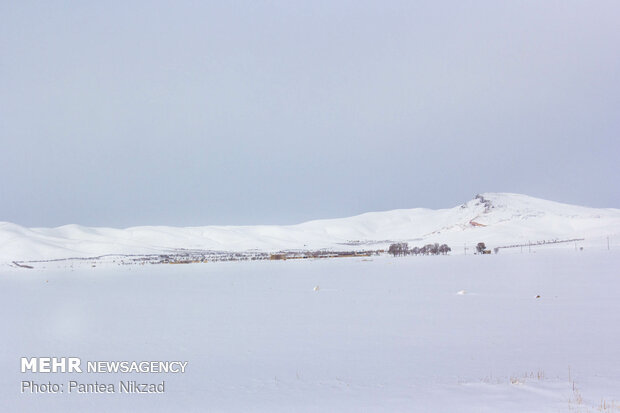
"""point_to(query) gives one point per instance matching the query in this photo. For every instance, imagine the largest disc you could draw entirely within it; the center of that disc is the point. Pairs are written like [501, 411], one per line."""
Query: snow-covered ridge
[494, 218]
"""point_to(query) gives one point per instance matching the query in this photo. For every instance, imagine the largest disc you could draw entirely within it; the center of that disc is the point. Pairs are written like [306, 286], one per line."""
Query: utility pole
[465, 248]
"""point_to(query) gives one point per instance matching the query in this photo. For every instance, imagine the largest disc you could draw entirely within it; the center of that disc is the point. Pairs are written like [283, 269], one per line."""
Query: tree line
[402, 248]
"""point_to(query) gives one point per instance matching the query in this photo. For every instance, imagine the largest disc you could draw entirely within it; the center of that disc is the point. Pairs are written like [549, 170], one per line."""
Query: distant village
[192, 256]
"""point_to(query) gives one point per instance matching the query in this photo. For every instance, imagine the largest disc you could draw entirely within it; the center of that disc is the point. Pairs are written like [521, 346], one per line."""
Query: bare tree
[393, 249]
[444, 249]
[398, 249]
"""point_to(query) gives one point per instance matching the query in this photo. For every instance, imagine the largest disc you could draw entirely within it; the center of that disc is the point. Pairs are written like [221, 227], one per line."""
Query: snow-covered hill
[497, 219]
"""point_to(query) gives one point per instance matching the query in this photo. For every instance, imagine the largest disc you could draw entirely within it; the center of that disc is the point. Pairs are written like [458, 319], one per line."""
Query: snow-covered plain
[498, 219]
[531, 329]
[379, 334]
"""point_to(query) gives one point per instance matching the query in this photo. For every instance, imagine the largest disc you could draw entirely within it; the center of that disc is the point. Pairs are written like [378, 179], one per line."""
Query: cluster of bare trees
[398, 249]
[402, 248]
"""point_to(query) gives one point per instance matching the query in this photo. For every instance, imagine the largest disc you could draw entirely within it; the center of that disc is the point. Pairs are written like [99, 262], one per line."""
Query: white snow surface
[504, 219]
[535, 332]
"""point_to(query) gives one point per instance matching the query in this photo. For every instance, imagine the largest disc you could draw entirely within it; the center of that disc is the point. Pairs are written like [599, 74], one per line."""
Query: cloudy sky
[123, 113]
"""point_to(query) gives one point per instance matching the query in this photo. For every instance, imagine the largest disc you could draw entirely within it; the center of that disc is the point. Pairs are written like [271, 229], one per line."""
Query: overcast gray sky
[123, 113]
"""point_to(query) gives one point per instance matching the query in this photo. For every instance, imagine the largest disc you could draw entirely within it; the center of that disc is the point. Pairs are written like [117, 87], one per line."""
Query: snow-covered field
[379, 334]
